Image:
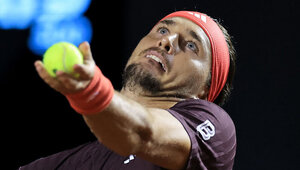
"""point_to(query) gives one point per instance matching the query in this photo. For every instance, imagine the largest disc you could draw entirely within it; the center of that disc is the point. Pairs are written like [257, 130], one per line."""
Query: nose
[169, 43]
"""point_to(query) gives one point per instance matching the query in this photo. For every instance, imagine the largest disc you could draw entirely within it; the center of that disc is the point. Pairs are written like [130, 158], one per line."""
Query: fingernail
[37, 67]
[87, 45]
[36, 64]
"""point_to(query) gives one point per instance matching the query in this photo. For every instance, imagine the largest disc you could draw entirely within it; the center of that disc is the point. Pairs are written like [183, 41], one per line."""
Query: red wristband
[95, 97]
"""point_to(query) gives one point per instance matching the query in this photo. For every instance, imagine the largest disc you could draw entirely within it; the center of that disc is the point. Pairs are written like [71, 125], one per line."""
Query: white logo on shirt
[206, 129]
[131, 157]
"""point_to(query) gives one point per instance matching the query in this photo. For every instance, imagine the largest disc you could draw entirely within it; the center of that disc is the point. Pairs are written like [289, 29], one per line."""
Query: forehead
[179, 21]
[183, 24]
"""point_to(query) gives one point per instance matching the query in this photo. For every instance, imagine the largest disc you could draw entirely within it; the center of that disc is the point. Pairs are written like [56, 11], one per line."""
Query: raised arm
[126, 126]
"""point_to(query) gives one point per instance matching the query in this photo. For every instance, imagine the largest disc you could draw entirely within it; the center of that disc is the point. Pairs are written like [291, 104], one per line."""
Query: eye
[163, 30]
[192, 46]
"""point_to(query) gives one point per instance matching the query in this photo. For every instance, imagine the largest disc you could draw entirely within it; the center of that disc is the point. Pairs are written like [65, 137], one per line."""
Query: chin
[137, 75]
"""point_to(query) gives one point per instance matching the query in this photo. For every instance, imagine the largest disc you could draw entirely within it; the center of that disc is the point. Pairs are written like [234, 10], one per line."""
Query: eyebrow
[168, 22]
[192, 33]
[195, 35]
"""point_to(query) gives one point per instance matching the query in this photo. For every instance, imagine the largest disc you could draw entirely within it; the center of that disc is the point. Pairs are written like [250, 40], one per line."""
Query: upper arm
[150, 133]
[169, 144]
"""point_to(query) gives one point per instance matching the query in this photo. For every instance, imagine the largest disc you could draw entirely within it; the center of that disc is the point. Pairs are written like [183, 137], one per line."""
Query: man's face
[174, 59]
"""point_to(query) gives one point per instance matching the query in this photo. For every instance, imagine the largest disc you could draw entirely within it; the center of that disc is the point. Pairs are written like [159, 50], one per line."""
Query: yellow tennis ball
[62, 56]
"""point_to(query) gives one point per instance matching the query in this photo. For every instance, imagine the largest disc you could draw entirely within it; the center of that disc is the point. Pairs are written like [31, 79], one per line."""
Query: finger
[51, 81]
[85, 49]
[86, 72]
[39, 66]
[69, 84]
[66, 80]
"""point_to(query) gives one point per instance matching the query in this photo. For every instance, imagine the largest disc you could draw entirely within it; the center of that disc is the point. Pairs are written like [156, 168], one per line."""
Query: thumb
[85, 70]
[85, 49]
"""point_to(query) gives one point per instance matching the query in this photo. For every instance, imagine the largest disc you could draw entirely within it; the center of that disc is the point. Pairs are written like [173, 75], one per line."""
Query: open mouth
[157, 59]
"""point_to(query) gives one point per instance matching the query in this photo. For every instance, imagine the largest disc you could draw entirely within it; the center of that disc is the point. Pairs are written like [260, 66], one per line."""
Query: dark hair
[226, 91]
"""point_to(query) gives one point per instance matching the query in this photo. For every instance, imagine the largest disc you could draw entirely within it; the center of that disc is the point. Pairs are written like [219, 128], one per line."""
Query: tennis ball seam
[64, 59]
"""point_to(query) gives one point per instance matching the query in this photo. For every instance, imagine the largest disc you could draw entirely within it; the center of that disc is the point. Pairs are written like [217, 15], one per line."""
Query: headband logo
[202, 17]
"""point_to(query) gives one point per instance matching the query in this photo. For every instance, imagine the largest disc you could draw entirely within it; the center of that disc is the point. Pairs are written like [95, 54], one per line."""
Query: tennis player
[167, 115]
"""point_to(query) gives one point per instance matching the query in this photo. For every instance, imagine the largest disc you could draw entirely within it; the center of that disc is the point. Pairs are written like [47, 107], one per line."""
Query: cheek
[135, 54]
[201, 67]
[144, 43]
[199, 70]
[196, 64]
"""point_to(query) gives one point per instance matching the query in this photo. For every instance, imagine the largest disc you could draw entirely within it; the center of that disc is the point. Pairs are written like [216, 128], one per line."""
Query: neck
[161, 102]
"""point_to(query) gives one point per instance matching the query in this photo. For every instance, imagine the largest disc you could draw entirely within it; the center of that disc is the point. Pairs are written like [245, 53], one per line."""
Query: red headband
[219, 49]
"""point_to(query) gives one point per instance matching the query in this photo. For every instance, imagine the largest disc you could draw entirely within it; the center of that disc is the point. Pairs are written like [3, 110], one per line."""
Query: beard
[135, 75]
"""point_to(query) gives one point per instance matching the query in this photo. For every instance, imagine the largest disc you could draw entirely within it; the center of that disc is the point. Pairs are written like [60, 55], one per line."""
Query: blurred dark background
[36, 121]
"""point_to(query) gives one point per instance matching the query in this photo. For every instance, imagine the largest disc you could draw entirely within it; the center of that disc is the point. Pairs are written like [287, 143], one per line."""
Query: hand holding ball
[66, 68]
[62, 56]
[89, 91]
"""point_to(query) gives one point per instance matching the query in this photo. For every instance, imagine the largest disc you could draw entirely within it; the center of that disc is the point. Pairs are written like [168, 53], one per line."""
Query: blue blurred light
[45, 33]
[64, 9]
[50, 21]
[17, 14]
